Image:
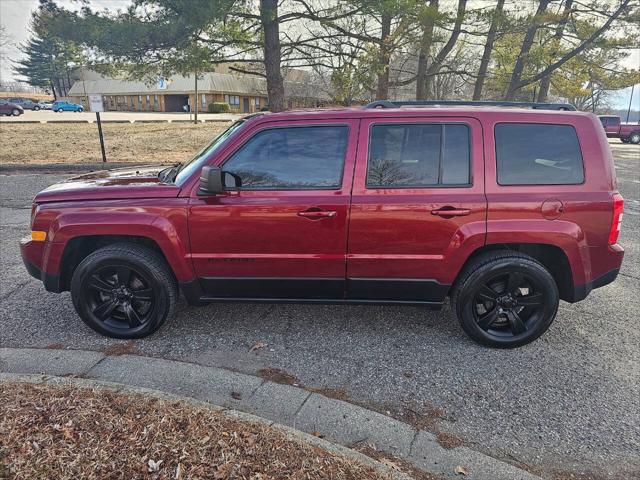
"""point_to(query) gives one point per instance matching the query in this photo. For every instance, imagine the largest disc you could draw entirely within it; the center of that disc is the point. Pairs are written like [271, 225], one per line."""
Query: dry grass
[64, 432]
[78, 142]
[43, 97]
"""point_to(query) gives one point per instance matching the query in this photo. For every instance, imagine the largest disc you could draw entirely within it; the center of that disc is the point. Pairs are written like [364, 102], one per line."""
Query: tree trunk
[384, 57]
[272, 54]
[442, 54]
[514, 83]
[545, 83]
[488, 48]
[425, 49]
[53, 90]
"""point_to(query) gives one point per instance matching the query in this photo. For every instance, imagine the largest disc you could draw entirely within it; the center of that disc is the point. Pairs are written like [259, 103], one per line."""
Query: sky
[15, 14]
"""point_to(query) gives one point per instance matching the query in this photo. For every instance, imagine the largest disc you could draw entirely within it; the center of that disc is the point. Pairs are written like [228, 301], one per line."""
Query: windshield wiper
[169, 174]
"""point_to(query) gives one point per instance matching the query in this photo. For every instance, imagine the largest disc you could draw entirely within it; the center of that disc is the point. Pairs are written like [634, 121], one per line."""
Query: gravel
[569, 402]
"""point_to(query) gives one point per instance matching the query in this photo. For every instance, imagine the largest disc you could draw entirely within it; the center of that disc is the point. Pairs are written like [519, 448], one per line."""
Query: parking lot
[567, 403]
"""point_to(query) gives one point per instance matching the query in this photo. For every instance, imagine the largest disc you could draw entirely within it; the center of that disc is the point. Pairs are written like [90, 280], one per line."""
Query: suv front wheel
[124, 291]
[505, 299]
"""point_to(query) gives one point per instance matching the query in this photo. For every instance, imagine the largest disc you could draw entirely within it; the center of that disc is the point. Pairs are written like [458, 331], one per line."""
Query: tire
[624, 140]
[634, 138]
[505, 299]
[60, 110]
[15, 112]
[80, 110]
[35, 109]
[124, 290]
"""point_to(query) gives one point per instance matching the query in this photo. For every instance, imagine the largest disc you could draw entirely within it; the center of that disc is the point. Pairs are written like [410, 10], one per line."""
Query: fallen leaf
[236, 395]
[257, 346]
[461, 470]
[153, 465]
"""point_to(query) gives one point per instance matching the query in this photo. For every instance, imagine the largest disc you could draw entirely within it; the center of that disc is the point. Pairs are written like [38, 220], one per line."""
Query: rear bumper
[30, 251]
[580, 292]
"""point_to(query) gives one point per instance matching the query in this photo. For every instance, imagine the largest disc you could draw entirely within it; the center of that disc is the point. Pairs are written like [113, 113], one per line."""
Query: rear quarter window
[538, 154]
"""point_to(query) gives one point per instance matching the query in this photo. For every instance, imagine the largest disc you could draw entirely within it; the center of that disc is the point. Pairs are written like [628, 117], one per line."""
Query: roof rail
[488, 103]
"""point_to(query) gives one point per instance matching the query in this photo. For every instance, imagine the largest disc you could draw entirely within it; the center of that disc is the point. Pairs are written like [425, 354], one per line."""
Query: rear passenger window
[418, 155]
[538, 154]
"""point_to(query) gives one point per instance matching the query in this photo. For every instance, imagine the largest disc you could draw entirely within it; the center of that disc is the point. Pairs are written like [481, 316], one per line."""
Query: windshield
[190, 166]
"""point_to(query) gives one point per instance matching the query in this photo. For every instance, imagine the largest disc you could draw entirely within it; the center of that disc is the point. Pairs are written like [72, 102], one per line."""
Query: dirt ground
[68, 433]
[126, 142]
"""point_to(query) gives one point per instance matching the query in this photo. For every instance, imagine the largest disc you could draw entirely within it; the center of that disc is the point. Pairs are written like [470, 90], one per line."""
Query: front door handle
[451, 212]
[317, 214]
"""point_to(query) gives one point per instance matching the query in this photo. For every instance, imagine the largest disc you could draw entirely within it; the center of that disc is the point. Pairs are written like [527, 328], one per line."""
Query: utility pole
[195, 116]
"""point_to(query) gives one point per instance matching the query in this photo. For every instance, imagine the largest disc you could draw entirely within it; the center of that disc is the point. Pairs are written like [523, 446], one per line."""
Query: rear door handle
[451, 212]
[317, 214]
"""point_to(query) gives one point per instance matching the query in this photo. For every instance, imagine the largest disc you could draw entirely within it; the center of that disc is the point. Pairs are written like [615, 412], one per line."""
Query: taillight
[616, 223]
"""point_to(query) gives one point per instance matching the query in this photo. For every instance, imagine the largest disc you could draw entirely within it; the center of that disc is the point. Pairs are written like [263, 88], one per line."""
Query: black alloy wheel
[508, 305]
[124, 290]
[505, 299]
[120, 297]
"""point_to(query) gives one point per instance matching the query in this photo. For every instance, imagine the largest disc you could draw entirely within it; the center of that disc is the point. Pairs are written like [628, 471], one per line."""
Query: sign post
[95, 105]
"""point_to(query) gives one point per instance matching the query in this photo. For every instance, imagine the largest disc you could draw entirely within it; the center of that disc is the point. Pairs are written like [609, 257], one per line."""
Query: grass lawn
[125, 142]
[64, 432]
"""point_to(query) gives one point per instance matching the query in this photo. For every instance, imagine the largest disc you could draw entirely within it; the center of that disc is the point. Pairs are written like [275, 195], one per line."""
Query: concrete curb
[290, 433]
[338, 421]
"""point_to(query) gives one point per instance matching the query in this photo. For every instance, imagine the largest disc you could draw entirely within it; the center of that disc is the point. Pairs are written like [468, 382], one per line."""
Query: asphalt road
[569, 402]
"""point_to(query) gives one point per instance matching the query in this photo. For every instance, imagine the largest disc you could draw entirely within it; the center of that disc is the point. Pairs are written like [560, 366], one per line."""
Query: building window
[155, 102]
[257, 103]
[232, 100]
[204, 101]
[148, 102]
[139, 102]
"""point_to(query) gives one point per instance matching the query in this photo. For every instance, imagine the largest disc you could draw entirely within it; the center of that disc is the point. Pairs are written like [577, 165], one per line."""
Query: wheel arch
[552, 257]
[79, 247]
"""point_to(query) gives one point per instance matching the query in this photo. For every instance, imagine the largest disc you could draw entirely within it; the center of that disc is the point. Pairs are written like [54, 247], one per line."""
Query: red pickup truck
[626, 132]
[503, 210]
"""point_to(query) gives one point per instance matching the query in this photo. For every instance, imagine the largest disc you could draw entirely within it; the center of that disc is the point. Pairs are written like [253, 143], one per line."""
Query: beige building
[243, 93]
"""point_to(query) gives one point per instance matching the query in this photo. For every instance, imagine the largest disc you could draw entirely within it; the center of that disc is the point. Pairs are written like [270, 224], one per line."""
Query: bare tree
[488, 48]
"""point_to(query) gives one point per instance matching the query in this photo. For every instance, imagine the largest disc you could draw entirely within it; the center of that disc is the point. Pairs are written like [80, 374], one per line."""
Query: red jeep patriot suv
[504, 210]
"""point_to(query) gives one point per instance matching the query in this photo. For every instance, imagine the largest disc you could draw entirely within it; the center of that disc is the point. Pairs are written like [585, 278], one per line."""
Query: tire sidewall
[634, 138]
[15, 112]
[464, 301]
[97, 260]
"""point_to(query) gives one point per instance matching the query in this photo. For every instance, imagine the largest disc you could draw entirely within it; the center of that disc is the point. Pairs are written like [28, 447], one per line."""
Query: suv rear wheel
[124, 291]
[505, 299]
[635, 138]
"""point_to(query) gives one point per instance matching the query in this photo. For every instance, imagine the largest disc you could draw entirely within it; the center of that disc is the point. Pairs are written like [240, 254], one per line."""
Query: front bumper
[32, 252]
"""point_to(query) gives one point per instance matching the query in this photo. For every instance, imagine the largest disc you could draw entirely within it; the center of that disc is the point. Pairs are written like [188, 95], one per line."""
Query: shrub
[218, 107]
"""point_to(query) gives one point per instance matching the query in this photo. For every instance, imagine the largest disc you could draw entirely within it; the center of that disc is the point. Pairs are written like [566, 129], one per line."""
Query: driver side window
[291, 158]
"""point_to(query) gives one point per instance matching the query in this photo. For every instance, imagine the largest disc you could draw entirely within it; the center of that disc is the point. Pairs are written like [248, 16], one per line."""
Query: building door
[245, 105]
[283, 234]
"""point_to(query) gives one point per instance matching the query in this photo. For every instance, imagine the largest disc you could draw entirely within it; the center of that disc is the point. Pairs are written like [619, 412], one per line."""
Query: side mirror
[211, 181]
[214, 181]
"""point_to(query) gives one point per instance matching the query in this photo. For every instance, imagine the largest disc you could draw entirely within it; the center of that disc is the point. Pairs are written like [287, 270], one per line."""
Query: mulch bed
[65, 432]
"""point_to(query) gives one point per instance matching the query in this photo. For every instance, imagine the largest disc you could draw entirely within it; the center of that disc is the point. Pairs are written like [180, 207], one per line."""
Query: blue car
[62, 106]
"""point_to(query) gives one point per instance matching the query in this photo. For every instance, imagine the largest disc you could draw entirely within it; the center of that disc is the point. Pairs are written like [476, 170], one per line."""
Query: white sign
[95, 103]
[162, 83]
